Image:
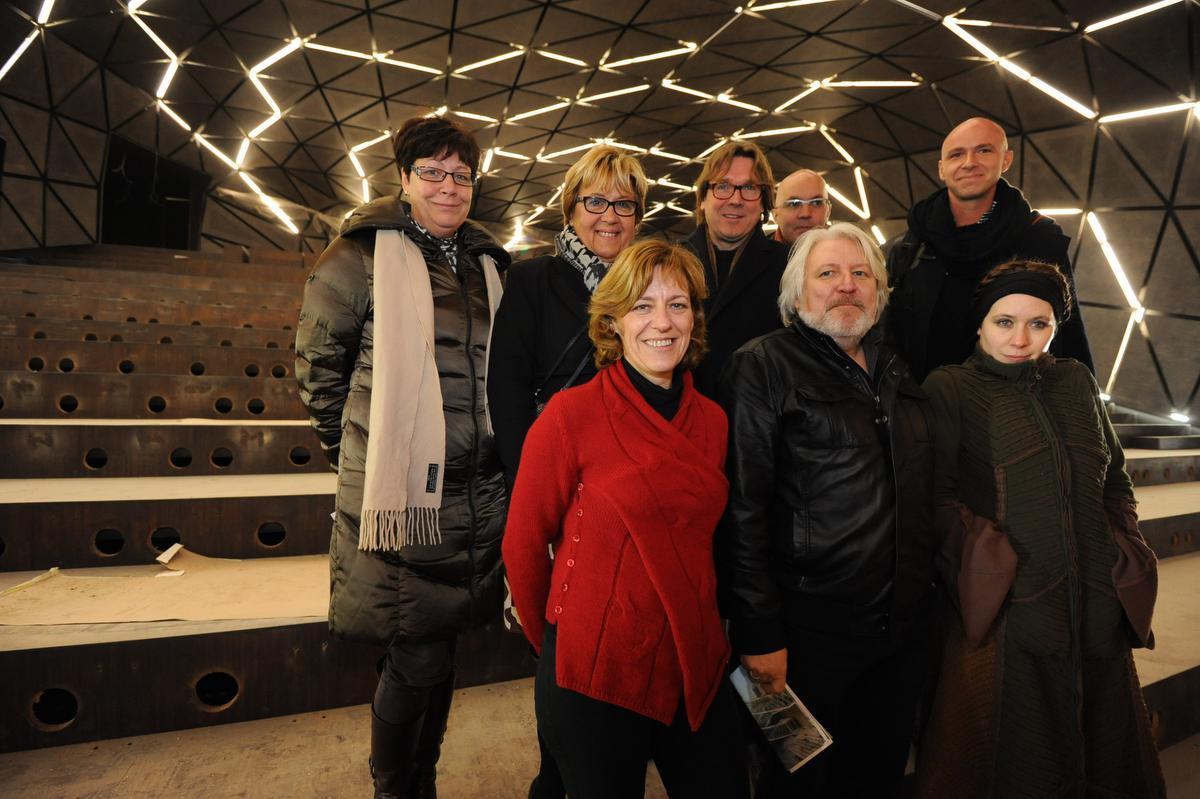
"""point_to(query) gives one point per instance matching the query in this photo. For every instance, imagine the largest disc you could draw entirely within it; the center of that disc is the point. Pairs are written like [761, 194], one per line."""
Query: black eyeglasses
[595, 204]
[816, 203]
[435, 175]
[723, 191]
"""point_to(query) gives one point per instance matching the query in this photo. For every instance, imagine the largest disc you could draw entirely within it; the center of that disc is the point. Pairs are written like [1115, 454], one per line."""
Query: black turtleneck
[663, 400]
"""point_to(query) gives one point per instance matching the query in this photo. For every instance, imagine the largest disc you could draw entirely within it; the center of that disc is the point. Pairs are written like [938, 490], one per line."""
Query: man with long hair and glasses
[742, 267]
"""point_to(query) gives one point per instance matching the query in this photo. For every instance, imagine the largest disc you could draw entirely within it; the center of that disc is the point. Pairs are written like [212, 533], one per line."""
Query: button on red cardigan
[629, 501]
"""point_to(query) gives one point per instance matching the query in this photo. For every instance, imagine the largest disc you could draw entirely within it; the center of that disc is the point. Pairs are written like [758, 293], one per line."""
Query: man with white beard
[826, 551]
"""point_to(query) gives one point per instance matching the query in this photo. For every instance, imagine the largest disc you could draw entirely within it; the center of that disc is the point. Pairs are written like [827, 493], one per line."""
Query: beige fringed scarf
[406, 445]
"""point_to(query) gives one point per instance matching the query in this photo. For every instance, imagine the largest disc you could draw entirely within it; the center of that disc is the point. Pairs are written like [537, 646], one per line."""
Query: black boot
[393, 747]
[429, 744]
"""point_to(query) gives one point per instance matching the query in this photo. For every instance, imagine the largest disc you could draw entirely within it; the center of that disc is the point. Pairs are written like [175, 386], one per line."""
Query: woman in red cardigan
[623, 477]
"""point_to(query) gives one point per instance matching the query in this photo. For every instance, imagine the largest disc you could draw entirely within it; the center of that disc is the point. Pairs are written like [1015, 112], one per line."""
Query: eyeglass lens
[598, 205]
[723, 191]
[434, 175]
[815, 202]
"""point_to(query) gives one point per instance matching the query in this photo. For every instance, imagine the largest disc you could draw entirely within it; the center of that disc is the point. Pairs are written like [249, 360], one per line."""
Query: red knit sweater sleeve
[545, 482]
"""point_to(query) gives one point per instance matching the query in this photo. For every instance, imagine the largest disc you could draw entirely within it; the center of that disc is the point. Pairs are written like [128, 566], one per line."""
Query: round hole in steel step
[223, 405]
[66, 365]
[108, 542]
[53, 709]
[35, 364]
[125, 367]
[271, 534]
[156, 404]
[162, 538]
[256, 406]
[221, 457]
[181, 457]
[95, 458]
[251, 370]
[67, 403]
[197, 368]
[299, 456]
[216, 690]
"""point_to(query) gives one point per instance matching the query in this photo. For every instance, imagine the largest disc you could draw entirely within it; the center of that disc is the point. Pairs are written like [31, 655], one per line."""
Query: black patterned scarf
[576, 253]
[448, 247]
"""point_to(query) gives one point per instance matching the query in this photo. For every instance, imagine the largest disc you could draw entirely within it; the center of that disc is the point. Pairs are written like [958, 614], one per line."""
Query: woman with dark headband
[1041, 554]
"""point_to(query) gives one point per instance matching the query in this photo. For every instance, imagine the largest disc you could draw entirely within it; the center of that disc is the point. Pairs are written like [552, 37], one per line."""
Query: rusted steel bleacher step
[146, 396]
[144, 332]
[156, 448]
[80, 522]
[127, 358]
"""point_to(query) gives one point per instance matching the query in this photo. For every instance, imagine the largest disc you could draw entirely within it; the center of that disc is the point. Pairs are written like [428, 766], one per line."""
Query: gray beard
[823, 323]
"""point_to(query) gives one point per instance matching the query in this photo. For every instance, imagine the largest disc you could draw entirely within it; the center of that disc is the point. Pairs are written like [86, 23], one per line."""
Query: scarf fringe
[391, 530]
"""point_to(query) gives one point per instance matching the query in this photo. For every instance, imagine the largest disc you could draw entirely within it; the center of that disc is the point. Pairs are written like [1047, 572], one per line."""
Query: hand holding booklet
[790, 730]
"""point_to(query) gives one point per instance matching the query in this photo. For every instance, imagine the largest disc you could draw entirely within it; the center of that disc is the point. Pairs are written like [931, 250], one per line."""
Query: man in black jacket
[955, 236]
[826, 550]
[742, 266]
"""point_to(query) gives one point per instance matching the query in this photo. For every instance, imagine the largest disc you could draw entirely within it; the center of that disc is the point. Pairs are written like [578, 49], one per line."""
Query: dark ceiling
[343, 72]
[762, 55]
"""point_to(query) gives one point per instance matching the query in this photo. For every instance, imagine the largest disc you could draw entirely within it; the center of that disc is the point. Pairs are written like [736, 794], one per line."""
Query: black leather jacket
[829, 525]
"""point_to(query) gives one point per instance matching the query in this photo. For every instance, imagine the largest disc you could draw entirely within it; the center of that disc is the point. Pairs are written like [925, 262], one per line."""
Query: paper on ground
[205, 589]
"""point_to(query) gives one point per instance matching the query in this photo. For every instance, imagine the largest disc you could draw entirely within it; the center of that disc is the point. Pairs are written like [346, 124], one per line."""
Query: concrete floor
[490, 753]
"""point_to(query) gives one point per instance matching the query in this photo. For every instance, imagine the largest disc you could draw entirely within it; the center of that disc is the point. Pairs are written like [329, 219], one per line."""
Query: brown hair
[626, 282]
[430, 137]
[607, 167]
[718, 164]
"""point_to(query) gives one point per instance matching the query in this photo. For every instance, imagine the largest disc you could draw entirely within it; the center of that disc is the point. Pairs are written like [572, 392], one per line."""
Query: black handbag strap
[537, 394]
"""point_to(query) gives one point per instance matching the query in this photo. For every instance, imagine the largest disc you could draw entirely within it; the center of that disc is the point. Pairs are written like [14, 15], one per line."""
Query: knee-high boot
[429, 744]
[393, 752]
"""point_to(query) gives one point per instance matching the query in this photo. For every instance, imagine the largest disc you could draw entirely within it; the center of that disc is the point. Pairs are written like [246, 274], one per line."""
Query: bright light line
[863, 212]
[1019, 71]
[878, 234]
[212, 148]
[1147, 112]
[364, 145]
[812, 87]
[787, 4]
[21, 48]
[1137, 12]
[711, 149]
[507, 154]
[44, 14]
[385, 58]
[536, 213]
[679, 208]
[291, 47]
[242, 150]
[1176, 416]
[271, 203]
[479, 117]
[338, 51]
[1114, 263]
[564, 58]
[171, 113]
[487, 160]
[605, 95]
[657, 207]
[672, 156]
[535, 112]
[670, 185]
[869, 84]
[1060, 211]
[366, 190]
[134, 5]
[167, 77]
[775, 132]
[833, 142]
[488, 61]
[568, 151]
[357, 166]
[670, 84]
[728, 100]
[1116, 367]
[689, 47]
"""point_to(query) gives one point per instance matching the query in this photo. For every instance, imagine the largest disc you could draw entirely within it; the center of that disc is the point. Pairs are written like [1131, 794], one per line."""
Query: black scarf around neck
[932, 220]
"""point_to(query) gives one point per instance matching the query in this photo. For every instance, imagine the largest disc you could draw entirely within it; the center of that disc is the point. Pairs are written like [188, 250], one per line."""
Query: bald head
[795, 211]
[974, 156]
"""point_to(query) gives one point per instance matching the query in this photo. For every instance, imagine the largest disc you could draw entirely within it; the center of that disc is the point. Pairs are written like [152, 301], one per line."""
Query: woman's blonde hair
[625, 283]
[609, 168]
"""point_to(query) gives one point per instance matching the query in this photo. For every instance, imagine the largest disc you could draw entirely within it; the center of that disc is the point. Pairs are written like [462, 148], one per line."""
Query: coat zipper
[474, 462]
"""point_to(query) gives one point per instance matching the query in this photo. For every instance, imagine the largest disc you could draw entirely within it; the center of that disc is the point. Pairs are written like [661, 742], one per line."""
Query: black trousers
[412, 670]
[602, 749]
[865, 692]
